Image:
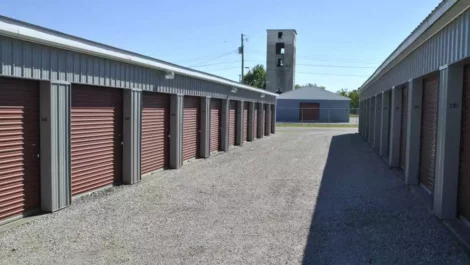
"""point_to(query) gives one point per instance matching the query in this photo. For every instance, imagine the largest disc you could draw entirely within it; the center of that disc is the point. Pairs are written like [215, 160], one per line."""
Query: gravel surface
[302, 196]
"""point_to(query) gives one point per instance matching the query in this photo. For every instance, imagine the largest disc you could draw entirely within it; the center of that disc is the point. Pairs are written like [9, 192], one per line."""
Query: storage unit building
[80, 116]
[312, 104]
[424, 125]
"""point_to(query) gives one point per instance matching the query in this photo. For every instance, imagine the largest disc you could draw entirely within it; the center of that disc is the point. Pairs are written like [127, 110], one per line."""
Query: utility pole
[241, 51]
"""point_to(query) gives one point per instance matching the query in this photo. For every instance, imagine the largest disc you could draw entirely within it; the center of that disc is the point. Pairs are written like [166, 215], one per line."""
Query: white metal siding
[30, 60]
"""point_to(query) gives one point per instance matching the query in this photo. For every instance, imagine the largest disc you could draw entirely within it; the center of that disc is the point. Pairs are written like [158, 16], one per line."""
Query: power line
[337, 66]
[194, 59]
[204, 65]
[218, 57]
[329, 65]
[201, 64]
[325, 74]
[312, 65]
[225, 68]
[358, 61]
[260, 36]
[306, 73]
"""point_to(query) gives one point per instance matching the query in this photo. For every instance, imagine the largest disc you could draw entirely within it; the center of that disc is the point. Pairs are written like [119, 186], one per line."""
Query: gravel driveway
[302, 196]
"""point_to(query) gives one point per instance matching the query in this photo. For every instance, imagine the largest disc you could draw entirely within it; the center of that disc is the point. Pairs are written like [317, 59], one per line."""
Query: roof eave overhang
[32, 33]
[446, 12]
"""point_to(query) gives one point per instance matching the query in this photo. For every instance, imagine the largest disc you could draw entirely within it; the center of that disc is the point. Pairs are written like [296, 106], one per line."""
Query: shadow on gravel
[365, 215]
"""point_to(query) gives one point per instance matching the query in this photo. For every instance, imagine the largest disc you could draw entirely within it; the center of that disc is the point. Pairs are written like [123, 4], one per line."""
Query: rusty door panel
[404, 124]
[309, 111]
[428, 132]
[245, 121]
[19, 147]
[263, 116]
[372, 121]
[96, 136]
[273, 116]
[464, 169]
[155, 131]
[267, 121]
[215, 125]
[233, 122]
[255, 122]
[191, 124]
[389, 124]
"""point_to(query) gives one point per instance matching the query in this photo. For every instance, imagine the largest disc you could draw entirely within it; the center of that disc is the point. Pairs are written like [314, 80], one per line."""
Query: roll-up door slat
[267, 121]
[464, 169]
[215, 125]
[155, 131]
[428, 132]
[233, 122]
[245, 121]
[96, 136]
[191, 127]
[404, 124]
[19, 147]
[255, 122]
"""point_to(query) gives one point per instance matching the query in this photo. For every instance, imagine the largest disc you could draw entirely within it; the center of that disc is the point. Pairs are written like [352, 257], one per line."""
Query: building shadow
[365, 215]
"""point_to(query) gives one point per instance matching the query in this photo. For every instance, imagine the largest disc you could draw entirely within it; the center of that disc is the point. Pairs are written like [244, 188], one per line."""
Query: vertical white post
[384, 125]
[413, 134]
[394, 150]
[448, 141]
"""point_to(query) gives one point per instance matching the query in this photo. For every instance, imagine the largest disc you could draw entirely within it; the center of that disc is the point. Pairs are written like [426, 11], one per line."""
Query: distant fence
[318, 115]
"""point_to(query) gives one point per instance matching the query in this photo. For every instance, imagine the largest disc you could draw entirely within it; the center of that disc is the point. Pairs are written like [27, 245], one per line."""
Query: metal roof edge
[437, 13]
[283, 30]
[328, 99]
[318, 89]
[33, 33]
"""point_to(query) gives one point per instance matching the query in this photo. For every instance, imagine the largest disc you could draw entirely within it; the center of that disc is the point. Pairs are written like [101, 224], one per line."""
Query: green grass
[317, 125]
[354, 115]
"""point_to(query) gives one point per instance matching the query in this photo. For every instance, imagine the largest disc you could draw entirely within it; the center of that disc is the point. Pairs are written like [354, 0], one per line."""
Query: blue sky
[345, 40]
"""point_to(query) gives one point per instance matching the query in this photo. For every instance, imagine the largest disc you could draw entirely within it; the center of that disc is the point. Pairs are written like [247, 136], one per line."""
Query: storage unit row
[76, 116]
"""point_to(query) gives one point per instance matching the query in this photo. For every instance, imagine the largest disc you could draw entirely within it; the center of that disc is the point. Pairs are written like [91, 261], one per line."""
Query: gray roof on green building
[311, 93]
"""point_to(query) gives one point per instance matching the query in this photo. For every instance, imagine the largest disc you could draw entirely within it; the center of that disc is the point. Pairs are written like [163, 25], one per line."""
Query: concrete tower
[280, 60]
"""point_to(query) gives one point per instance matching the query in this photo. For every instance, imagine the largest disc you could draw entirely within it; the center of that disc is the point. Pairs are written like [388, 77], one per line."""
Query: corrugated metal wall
[29, 60]
[132, 133]
[287, 110]
[449, 45]
[55, 134]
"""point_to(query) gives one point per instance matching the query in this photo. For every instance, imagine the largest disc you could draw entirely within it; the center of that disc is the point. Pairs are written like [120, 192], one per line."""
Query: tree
[343, 92]
[353, 95]
[256, 77]
[310, 85]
